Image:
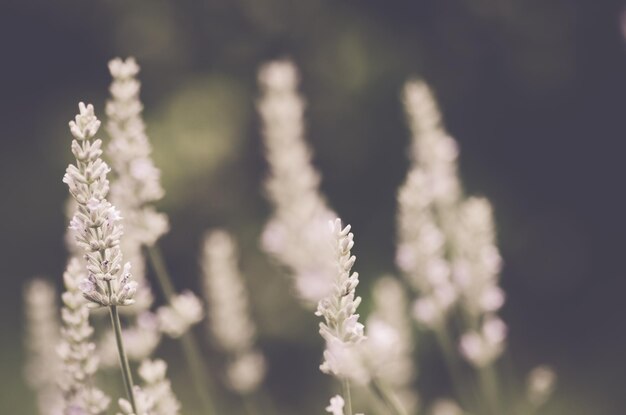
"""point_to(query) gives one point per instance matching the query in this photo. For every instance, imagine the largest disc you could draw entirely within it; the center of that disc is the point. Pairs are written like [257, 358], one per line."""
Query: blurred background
[533, 90]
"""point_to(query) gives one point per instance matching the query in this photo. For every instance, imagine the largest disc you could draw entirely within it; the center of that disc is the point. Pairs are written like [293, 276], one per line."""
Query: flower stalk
[382, 391]
[296, 234]
[191, 351]
[230, 324]
[345, 385]
[97, 230]
[124, 366]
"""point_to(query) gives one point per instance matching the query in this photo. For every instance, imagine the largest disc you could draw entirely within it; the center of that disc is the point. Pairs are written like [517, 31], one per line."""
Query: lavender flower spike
[96, 223]
[341, 328]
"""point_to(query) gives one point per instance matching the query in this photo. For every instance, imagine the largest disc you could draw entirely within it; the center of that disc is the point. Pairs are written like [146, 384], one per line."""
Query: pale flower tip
[541, 382]
[152, 371]
[125, 406]
[336, 226]
[492, 299]
[482, 347]
[246, 372]
[123, 68]
[341, 328]
[86, 285]
[445, 407]
[113, 62]
[495, 330]
[184, 310]
[426, 311]
[336, 405]
[278, 74]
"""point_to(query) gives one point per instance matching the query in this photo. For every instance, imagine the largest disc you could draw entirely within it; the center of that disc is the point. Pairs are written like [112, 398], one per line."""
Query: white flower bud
[229, 319]
[481, 348]
[445, 407]
[341, 328]
[540, 385]
[43, 366]
[183, 311]
[158, 388]
[76, 349]
[336, 405]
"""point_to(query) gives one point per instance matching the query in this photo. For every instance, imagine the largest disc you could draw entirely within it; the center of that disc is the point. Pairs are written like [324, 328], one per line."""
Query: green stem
[465, 395]
[249, 406]
[126, 374]
[525, 408]
[191, 350]
[489, 386]
[384, 394]
[160, 269]
[507, 382]
[346, 395]
[262, 401]
[197, 369]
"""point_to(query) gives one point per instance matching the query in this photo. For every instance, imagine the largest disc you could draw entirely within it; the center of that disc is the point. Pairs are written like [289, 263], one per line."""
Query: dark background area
[533, 90]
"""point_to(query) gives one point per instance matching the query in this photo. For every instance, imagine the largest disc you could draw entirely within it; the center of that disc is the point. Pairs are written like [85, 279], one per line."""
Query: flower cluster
[76, 350]
[540, 385]
[152, 372]
[341, 328]
[483, 346]
[96, 223]
[144, 402]
[447, 253]
[389, 347]
[446, 247]
[137, 184]
[138, 181]
[426, 208]
[296, 235]
[477, 264]
[445, 407]
[43, 366]
[421, 250]
[183, 311]
[336, 406]
[477, 267]
[432, 148]
[229, 317]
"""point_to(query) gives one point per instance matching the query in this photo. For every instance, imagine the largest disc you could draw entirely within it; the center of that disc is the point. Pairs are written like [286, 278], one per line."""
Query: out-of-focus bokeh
[534, 91]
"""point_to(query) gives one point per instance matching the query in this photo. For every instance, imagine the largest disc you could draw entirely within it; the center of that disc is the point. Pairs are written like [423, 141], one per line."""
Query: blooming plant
[447, 284]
